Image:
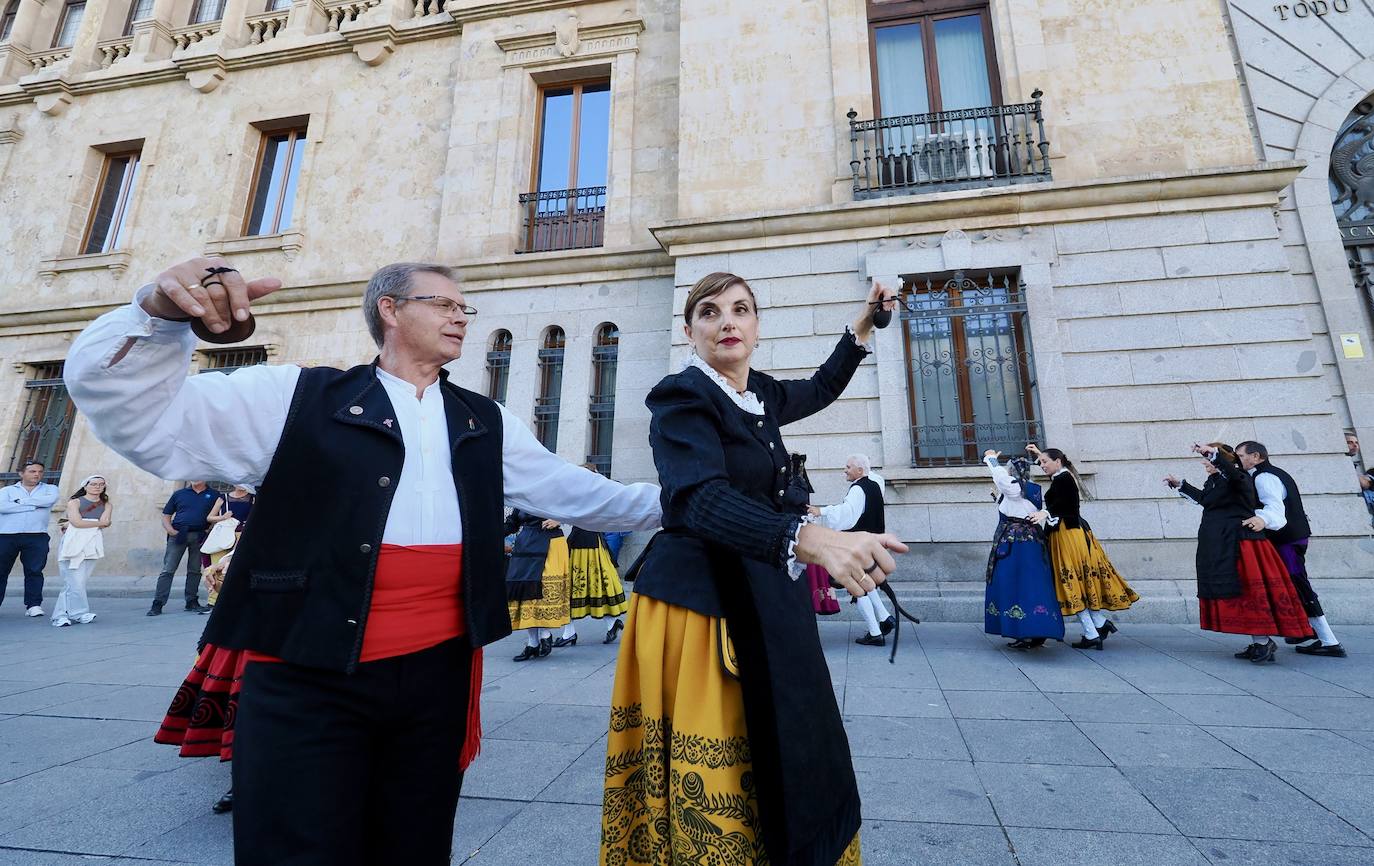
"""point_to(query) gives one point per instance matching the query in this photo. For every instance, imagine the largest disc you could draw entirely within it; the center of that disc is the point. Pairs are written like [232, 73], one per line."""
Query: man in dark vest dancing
[370, 573]
[862, 511]
[1283, 520]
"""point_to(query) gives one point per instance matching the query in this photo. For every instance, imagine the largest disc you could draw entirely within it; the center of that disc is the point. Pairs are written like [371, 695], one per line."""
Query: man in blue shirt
[25, 509]
[185, 518]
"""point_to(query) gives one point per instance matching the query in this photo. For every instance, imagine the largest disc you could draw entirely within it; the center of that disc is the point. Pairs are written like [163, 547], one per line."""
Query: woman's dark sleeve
[793, 399]
[684, 434]
[1191, 492]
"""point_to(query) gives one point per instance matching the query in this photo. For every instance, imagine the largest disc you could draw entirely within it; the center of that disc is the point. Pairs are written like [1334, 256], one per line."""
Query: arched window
[550, 388]
[602, 411]
[498, 366]
[72, 13]
[1352, 193]
[139, 10]
[7, 20]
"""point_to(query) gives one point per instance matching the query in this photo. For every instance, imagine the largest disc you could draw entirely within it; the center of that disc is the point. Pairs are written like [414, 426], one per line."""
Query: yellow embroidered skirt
[1083, 575]
[596, 588]
[552, 610]
[679, 777]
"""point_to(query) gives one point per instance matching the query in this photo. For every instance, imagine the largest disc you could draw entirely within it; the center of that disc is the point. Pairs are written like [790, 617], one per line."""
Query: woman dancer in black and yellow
[596, 588]
[1086, 582]
[537, 585]
[726, 745]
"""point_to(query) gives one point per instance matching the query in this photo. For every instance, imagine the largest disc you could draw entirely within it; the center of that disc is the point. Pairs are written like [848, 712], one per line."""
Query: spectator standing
[24, 509]
[83, 542]
[184, 518]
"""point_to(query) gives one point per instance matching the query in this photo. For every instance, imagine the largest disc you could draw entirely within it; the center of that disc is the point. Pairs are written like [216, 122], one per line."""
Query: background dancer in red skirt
[1243, 586]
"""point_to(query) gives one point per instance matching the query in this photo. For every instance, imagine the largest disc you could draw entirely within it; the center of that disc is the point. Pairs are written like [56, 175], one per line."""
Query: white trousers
[71, 602]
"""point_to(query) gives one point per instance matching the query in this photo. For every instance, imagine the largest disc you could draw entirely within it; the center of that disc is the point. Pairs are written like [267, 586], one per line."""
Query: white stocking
[532, 636]
[1099, 617]
[1319, 625]
[1089, 628]
[866, 608]
[569, 631]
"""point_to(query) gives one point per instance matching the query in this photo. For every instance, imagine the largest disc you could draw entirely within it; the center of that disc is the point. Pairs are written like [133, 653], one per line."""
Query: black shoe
[1335, 650]
[887, 625]
[1035, 642]
[614, 631]
[1294, 640]
[1265, 653]
[224, 804]
[194, 607]
[566, 641]
[529, 652]
[1089, 643]
[155, 610]
[872, 640]
[545, 646]
[1107, 628]
[1020, 643]
[1249, 652]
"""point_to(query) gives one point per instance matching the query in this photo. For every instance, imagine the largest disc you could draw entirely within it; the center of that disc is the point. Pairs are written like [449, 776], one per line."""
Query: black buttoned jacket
[300, 583]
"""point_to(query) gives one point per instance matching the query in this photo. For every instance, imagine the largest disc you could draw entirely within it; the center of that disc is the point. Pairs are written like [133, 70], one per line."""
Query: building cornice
[477, 275]
[991, 208]
[465, 11]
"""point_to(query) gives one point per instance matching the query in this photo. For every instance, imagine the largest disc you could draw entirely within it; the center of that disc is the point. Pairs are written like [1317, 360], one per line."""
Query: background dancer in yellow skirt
[596, 588]
[537, 584]
[1086, 582]
[726, 745]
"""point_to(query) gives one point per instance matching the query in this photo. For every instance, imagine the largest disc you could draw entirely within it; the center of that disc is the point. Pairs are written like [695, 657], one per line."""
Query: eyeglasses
[447, 306]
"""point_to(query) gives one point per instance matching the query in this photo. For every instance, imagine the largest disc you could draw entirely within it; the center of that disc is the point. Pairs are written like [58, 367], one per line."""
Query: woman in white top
[88, 513]
[1020, 600]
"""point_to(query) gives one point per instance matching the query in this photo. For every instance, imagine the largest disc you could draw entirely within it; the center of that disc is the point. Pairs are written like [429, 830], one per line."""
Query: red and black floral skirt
[201, 717]
[1267, 605]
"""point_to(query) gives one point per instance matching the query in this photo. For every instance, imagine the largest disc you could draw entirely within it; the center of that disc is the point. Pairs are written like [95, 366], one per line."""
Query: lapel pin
[472, 425]
[355, 410]
[386, 421]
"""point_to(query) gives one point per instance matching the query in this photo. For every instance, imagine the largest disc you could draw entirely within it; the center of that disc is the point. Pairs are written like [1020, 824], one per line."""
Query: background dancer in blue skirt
[1019, 601]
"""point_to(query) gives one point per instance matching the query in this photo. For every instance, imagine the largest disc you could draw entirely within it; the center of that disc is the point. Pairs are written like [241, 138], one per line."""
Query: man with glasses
[370, 574]
[25, 508]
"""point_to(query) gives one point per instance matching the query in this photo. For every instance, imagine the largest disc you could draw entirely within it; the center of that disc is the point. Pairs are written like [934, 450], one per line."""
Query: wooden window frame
[296, 129]
[575, 137]
[925, 14]
[62, 21]
[39, 378]
[121, 211]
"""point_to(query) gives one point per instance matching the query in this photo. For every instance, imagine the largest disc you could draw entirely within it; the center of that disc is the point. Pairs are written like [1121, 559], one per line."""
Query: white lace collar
[747, 401]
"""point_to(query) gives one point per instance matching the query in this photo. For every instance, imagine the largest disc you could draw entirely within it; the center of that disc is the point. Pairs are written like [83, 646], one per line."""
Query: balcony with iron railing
[563, 219]
[995, 145]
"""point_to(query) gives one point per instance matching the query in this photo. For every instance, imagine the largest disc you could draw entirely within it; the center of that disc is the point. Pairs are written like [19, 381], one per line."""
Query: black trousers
[31, 549]
[350, 770]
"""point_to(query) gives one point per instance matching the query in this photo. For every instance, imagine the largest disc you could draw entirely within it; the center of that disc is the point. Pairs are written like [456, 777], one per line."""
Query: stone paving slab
[1160, 750]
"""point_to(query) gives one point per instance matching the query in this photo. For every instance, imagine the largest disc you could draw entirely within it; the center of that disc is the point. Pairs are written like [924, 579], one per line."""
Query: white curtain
[901, 70]
[963, 63]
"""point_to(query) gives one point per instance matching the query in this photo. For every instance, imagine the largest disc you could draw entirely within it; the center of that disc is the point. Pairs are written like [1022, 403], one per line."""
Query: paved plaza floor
[1162, 750]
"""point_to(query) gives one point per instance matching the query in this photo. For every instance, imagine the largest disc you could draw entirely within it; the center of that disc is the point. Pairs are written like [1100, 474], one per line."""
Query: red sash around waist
[417, 603]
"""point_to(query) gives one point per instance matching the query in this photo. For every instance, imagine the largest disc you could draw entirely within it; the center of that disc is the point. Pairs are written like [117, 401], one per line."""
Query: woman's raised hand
[858, 561]
[879, 297]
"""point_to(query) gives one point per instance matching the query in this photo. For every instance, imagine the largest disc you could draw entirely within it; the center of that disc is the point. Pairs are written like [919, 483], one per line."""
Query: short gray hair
[862, 461]
[394, 281]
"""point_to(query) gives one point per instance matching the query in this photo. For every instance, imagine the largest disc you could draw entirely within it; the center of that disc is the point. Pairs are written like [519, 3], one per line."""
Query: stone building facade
[1112, 224]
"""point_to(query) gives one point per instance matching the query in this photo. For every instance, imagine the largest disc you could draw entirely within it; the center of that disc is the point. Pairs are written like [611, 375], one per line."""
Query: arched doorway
[1352, 193]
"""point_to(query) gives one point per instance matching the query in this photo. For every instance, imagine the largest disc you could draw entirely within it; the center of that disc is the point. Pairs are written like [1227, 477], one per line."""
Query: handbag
[222, 535]
[823, 600]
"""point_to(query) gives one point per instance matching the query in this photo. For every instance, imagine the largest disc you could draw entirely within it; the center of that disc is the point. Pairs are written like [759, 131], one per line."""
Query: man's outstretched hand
[190, 290]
